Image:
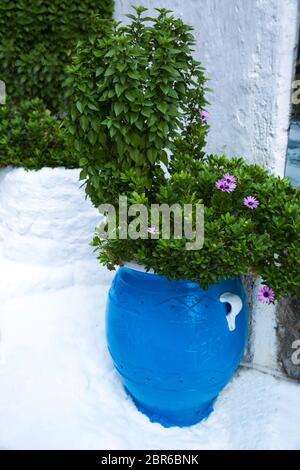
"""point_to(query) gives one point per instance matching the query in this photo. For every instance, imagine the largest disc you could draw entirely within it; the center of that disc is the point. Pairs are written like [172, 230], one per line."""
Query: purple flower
[229, 178]
[222, 185]
[251, 202]
[23, 145]
[266, 295]
[204, 115]
[152, 230]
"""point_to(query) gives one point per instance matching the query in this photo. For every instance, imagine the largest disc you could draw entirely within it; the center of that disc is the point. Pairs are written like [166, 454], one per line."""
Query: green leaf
[119, 89]
[99, 71]
[110, 71]
[134, 74]
[97, 53]
[92, 136]
[83, 161]
[146, 112]
[121, 66]
[162, 107]
[151, 154]
[93, 107]
[139, 124]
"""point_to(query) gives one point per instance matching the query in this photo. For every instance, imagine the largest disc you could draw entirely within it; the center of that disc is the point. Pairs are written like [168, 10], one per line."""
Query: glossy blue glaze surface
[170, 342]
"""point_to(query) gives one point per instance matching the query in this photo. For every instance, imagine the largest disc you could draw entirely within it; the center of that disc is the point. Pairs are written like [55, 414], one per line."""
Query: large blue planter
[174, 344]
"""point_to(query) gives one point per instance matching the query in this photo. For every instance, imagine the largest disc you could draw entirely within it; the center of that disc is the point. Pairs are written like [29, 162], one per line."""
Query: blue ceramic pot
[174, 344]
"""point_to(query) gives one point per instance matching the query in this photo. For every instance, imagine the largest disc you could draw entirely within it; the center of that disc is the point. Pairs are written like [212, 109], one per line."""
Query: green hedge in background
[32, 138]
[37, 39]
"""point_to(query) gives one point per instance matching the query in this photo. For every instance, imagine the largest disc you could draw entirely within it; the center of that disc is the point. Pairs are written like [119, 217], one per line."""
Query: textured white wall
[46, 225]
[247, 48]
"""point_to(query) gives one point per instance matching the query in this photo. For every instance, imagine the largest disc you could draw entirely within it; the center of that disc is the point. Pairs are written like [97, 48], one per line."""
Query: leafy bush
[36, 42]
[30, 137]
[136, 91]
[263, 240]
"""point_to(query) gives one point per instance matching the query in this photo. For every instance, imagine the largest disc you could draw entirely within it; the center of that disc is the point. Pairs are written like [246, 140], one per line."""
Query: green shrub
[136, 91]
[30, 137]
[37, 38]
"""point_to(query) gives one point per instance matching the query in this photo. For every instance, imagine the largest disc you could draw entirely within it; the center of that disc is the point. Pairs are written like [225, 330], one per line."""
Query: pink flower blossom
[266, 295]
[251, 202]
[225, 187]
[204, 115]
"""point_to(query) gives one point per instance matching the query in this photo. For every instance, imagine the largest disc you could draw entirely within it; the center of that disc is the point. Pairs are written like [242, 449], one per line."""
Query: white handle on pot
[236, 305]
